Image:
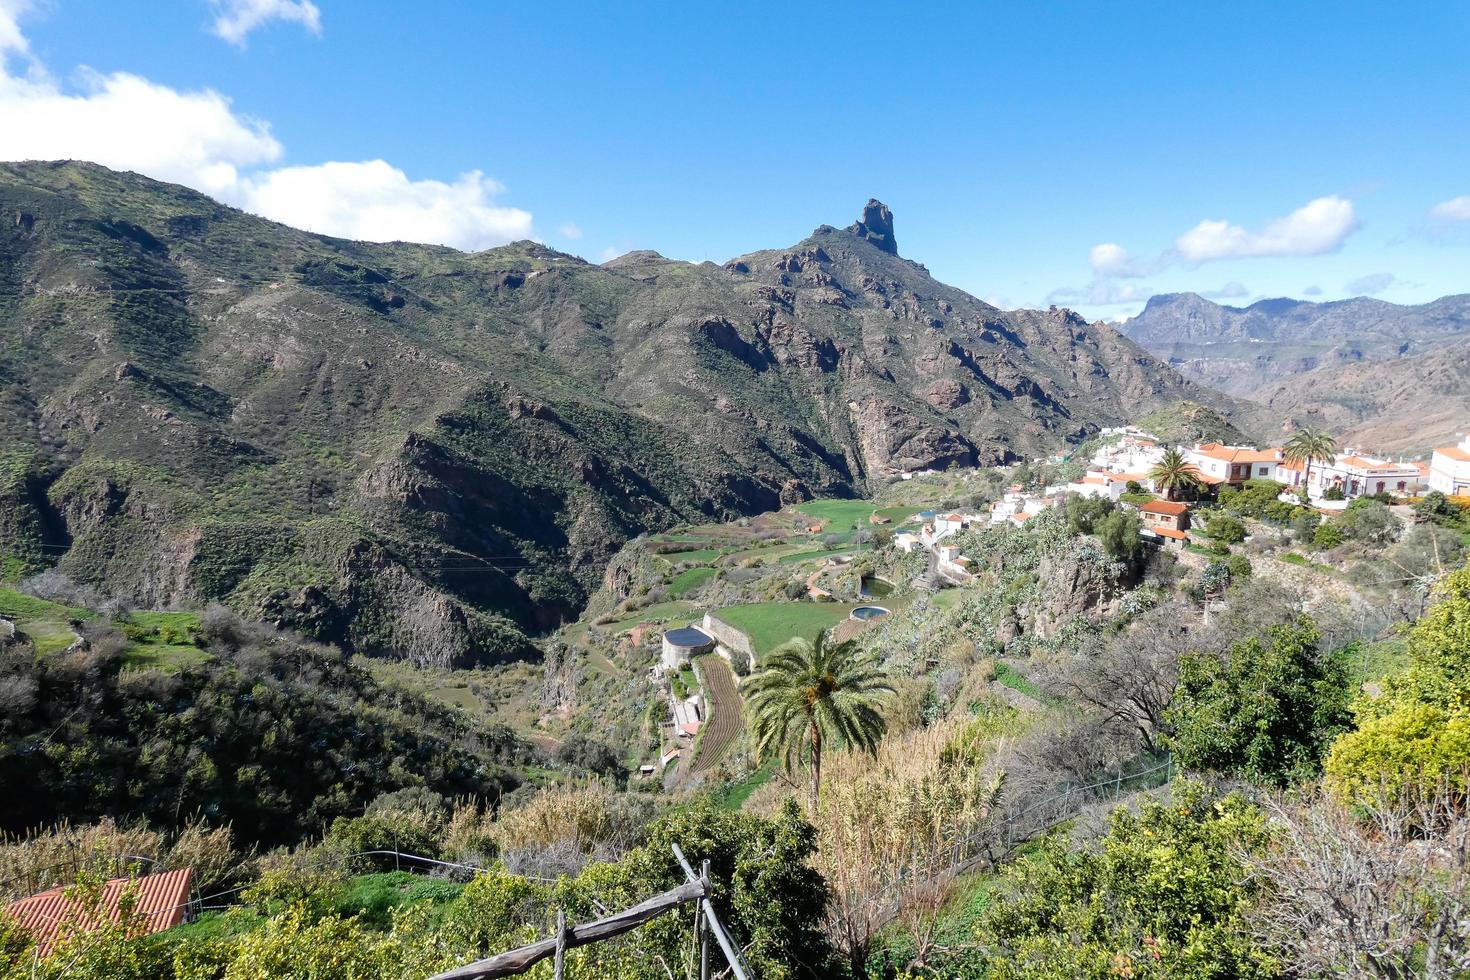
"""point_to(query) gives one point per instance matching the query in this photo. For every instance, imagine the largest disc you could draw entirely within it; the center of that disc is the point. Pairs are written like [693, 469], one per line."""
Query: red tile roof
[1455, 453]
[1169, 532]
[1236, 454]
[1172, 508]
[161, 900]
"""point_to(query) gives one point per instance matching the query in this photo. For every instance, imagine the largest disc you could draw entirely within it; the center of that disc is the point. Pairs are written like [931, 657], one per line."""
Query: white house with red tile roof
[1233, 464]
[1449, 469]
[1356, 475]
[1097, 483]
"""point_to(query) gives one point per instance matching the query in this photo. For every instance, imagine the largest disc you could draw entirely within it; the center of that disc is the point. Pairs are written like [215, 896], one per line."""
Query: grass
[898, 514]
[838, 515]
[167, 657]
[703, 554]
[732, 796]
[947, 599]
[1016, 681]
[690, 580]
[657, 612]
[812, 555]
[46, 623]
[1292, 558]
[770, 624]
[162, 641]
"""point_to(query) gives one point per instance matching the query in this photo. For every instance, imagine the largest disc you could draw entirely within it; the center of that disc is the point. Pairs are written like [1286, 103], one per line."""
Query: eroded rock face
[876, 225]
[946, 393]
[893, 439]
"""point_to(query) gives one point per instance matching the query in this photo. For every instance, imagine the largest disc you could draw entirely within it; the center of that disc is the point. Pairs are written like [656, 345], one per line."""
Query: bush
[589, 754]
[1415, 737]
[1118, 532]
[1368, 521]
[1225, 529]
[1267, 710]
[1333, 493]
[1326, 537]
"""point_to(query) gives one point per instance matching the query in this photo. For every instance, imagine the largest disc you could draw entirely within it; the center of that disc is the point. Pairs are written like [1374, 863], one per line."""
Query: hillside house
[1355, 475]
[1449, 469]
[906, 541]
[1233, 464]
[953, 565]
[1167, 519]
[1097, 483]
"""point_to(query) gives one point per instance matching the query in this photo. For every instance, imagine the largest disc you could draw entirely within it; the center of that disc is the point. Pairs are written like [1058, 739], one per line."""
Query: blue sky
[1083, 154]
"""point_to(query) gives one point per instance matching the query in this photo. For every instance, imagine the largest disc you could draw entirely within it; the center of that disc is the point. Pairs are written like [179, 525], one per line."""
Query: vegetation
[1308, 446]
[1175, 475]
[1267, 710]
[811, 692]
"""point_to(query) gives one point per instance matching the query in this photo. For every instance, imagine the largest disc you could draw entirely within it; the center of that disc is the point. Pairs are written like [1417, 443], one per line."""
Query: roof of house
[1021, 518]
[1455, 453]
[1237, 454]
[689, 728]
[1172, 508]
[1169, 532]
[161, 899]
[951, 517]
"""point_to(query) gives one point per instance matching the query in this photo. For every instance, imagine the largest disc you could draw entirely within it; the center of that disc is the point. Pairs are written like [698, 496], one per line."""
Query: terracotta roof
[951, 517]
[1423, 467]
[1097, 480]
[1237, 454]
[1169, 532]
[1172, 508]
[1021, 518]
[1455, 453]
[689, 728]
[161, 900]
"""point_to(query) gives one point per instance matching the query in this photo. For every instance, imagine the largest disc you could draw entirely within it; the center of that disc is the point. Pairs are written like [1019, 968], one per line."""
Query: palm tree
[1173, 473]
[1307, 446]
[808, 694]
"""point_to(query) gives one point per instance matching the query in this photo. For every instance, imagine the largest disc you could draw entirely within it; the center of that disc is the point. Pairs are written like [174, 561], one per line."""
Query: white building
[906, 541]
[1449, 469]
[1096, 483]
[1233, 464]
[952, 564]
[1355, 475]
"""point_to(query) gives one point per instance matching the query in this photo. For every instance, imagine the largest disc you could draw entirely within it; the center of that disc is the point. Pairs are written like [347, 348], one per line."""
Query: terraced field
[726, 716]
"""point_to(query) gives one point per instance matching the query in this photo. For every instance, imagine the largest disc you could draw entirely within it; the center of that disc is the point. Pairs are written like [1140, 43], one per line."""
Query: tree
[1163, 895]
[809, 693]
[1174, 474]
[1307, 446]
[1118, 533]
[1267, 710]
[1369, 521]
[1415, 736]
[1380, 892]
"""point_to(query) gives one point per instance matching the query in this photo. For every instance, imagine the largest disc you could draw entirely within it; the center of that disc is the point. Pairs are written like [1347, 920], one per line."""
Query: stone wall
[728, 635]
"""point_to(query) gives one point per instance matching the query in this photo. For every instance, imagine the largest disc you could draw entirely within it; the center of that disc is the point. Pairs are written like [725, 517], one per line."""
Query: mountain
[1248, 351]
[1408, 405]
[411, 450]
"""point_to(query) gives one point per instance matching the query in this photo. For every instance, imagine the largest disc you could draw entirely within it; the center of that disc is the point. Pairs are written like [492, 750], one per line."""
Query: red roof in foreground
[1171, 507]
[161, 902]
[1169, 532]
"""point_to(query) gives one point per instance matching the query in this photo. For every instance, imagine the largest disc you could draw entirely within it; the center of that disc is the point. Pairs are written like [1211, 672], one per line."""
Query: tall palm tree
[808, 694]
[1308, 446]
[1173, 473]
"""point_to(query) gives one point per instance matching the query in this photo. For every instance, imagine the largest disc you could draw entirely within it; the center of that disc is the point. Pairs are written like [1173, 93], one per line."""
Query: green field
[690, 579]
[703, 554]
[46, 623]
[657, 612]
[838, 515]
[947, 599]
[770, 624]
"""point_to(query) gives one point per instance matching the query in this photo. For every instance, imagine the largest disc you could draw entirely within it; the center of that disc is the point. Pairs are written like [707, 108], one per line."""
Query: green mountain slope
[416, 451]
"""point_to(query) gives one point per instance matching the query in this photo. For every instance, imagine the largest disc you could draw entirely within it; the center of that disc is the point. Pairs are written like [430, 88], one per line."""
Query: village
[1131, 468]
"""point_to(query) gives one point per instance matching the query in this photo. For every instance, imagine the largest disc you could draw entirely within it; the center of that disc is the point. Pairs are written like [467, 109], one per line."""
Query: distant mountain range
[409, 449]
[1382, 375]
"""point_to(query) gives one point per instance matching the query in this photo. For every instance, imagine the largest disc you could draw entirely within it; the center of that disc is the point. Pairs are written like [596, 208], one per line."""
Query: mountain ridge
[416, 451]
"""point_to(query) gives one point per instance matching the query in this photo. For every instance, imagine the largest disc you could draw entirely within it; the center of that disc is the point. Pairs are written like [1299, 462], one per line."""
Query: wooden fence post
[703, 929]
[560, 967]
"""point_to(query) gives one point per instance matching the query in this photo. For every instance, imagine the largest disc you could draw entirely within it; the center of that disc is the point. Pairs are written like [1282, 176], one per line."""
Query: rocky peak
[876, 225]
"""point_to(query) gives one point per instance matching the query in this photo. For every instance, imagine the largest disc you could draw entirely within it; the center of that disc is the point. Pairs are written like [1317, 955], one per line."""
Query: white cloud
[1317, 227]
[1312, 291]
[570, 231]
[377, 202]
[1101, 292]
[1112, 259]
[235, 19]
[197, 138]
[610, 253]
[11, 38]
[1455, 209]
[1231, 290]
[1369, 285]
